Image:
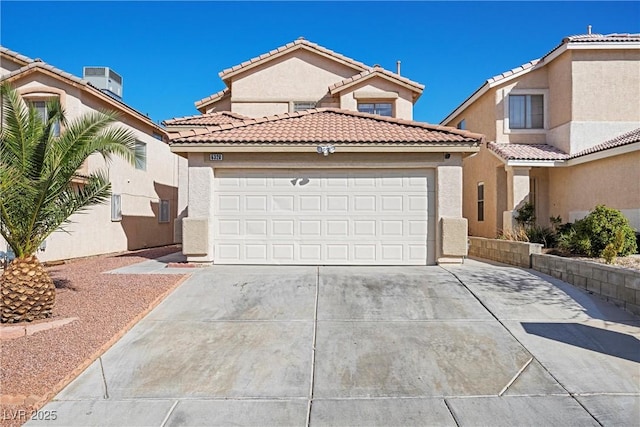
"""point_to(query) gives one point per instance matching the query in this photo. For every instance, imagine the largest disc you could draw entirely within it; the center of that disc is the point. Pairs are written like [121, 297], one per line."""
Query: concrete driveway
[470, 345]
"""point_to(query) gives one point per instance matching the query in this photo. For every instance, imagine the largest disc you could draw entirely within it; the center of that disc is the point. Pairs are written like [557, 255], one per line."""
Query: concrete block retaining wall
[616, 284]
[505, 251]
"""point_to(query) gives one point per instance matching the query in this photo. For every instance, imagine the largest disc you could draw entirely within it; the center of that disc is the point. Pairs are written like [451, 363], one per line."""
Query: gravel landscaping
[35, 367]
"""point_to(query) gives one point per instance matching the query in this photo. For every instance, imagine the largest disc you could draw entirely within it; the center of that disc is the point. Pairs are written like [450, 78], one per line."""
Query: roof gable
[301, 43]
[380, 72]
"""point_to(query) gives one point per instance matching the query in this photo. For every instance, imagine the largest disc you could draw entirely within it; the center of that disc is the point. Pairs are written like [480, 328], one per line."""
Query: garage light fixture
[325, 150]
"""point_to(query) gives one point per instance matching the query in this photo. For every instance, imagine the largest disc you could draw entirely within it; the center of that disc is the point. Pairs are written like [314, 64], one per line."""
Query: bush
[591, 235]
[545, 235]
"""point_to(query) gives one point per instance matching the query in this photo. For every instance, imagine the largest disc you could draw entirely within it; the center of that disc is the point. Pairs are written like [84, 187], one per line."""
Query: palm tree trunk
[27, 292]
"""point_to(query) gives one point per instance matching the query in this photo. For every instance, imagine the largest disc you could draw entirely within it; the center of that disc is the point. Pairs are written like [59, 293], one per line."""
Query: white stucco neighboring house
[144, 205]
[310, 157]
[562, 132]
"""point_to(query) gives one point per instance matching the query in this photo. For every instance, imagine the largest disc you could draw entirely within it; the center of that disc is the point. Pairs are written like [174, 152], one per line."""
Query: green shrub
[526, 214]
[591, 235]
[611, 250]
[544, 235]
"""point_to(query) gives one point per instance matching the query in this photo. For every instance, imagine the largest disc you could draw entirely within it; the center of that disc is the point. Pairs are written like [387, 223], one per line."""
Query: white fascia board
[536, 163]
[211, 148]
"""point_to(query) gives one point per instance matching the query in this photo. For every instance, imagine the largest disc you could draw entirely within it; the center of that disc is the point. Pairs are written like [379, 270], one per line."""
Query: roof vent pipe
[398, 67]
[588, 29]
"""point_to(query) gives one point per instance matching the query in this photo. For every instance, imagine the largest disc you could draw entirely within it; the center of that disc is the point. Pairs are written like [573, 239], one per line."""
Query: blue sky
[170, 53]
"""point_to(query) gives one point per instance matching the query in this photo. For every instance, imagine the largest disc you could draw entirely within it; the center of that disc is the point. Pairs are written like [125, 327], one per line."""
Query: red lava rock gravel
[33, 366]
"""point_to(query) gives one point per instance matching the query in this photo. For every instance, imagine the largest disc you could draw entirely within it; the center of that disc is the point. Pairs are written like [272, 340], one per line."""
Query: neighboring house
[285, 169]
[562, 132]
[144, 203]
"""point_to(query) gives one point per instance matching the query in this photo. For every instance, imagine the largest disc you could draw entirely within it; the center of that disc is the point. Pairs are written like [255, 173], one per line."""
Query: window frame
[480, 201]
[44, 100]
[116, 207]
[295, 104]
[375, 109]
[545, 111]
[141, 164]
[161, 219]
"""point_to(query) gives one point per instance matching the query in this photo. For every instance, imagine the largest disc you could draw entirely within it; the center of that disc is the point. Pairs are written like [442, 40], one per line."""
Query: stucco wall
[615, 182]
[92, 232]
[297, 76]
[480, 116]
[606, 85]
[484, 167]
[560, 94]
[260, 109]
[222, 105]
[402, 105]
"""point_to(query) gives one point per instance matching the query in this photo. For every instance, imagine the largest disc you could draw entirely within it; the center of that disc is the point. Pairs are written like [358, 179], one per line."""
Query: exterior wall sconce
[325, 150]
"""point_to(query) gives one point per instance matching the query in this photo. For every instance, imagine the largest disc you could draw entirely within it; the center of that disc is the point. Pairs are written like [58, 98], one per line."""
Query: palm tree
[37, 194]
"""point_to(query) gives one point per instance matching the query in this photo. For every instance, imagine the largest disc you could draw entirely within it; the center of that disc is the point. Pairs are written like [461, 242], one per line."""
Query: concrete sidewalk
[477, 344]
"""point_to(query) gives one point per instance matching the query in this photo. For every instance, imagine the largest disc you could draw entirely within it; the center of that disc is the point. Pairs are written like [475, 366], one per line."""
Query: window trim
[375, 102]
[292, 107]
[545, 110]
[480, 202]
[166, 220]
[116, 207]
[142, 164]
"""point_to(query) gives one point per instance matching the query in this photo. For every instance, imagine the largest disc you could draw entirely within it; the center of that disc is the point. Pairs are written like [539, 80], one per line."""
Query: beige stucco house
[562, 132]
[310, 157]
[144, 204]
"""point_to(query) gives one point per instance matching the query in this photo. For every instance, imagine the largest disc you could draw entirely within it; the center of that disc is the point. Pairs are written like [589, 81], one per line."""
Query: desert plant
[37, 168]
[539, 234]
[613, 248]
[517, 234]
[591, 235]
[526, 214]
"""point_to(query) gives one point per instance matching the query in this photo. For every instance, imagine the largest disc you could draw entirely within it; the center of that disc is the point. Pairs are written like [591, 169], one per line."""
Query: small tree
[38, 197]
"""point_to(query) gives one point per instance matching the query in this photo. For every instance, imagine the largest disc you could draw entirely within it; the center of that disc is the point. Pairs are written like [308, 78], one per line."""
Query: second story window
[379, 108]
[141, 155]
[462, 124]
[301, 106]
[526, 112]
[41, 109]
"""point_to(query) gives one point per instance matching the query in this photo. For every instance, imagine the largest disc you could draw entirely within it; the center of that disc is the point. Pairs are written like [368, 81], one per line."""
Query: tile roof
[39, 65]
[329, 125]
[372, 72]
[615, 38]
[624, 139]
[15, 55]
[208, 119]
[546, 152]
[212, 98]
[511, 151]
[297, 44]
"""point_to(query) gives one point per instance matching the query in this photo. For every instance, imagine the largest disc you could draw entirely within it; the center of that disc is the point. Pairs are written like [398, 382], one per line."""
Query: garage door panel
[322, 217]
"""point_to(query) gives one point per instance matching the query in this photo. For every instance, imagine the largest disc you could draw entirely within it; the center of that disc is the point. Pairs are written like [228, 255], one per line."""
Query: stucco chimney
[588, 29]
[398, 67]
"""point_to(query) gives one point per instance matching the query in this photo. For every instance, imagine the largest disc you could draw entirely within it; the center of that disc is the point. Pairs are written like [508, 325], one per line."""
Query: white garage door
[327, 217]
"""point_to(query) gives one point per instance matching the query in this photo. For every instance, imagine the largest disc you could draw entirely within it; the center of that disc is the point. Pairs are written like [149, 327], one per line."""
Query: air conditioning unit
[105, 79]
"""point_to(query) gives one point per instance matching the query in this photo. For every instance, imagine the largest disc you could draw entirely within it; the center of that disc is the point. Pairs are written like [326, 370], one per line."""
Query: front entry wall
[324, 216]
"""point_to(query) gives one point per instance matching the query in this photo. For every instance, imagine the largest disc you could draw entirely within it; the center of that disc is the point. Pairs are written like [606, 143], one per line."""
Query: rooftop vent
[105, 79]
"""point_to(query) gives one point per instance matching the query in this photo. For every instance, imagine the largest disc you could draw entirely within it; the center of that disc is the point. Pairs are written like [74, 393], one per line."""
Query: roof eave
[196, 147]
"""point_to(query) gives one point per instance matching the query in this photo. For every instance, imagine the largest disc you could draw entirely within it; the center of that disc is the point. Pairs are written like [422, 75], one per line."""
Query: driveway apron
[475, 344]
